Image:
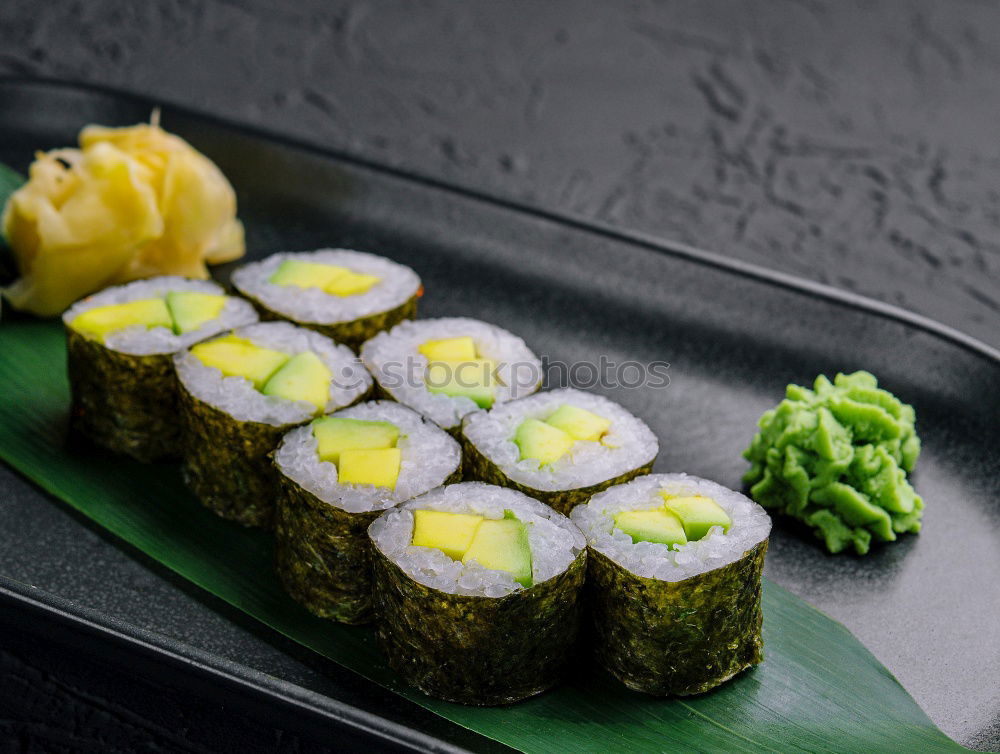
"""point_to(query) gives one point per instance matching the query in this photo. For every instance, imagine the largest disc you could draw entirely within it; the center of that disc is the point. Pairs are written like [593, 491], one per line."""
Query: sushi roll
[240, 393]
[559, 446]
[674, 582]
[120, 343]
[336, 475]
[446, 368]
[346, 295]
[477, 593]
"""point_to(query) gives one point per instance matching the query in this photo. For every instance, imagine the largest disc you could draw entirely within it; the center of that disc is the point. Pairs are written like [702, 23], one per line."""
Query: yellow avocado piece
[697, 513]
[351, 283]
[451, 533]
[472, 378]
[541, 441]
[306, 274]
[376, 466]
[450, 349]
[101, 321]
[239, 357]
[304, 377]
[579, 423]
[658, 525]
[335, 435]
[502, 544]
[189, 310]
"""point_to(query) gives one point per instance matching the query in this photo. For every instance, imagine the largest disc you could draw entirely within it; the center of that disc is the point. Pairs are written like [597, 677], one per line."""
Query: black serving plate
[734, 335]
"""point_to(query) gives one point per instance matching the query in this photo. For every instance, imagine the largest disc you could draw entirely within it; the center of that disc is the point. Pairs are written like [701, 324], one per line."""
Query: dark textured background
[852, 143]
[849, 142]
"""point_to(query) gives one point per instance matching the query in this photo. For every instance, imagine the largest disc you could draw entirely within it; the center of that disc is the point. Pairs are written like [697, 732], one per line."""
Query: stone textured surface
[848, 142]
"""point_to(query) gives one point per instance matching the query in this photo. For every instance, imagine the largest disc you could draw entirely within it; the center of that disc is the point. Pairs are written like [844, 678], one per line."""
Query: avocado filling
[658, 525]
[579, 423]
[239, 357]
[189, 310]
[548, 441]
[101, 321]
[332, 279]
[303, 377]
[678, 521]
[455, 369]
[334, 434]
[181, 312]
[498, 544]
[378, 466]
[364, 452]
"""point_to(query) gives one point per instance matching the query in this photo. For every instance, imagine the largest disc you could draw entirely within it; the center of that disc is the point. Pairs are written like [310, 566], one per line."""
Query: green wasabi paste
[836, 457]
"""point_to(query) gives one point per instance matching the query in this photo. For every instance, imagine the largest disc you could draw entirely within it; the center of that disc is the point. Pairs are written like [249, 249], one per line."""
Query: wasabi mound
[836, 458]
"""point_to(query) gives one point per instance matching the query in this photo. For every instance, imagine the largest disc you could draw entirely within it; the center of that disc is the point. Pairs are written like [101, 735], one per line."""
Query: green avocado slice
[239, 357]
[189, 310]
[579, 423]
[541, 441]
[502, 544]
[473, 379]
[659, 526]
[101, 321]
[377, 466]
[305, 274]
[304, 377]
[462, 348]
[698, 514]
[451, 533]
[335, 434]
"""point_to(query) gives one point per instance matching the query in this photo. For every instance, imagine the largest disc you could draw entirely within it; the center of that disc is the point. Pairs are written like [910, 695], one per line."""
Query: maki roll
[346, 295]
[240, 392]
[446, 368]
[477, 592]
[674, 582]
[336, 475]
[120, 344]
[560, 446]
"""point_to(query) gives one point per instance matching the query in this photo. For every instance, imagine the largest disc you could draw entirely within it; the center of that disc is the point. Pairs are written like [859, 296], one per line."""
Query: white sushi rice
[628, 444]
[397, 285]
[139, 340]
[750, 526]
[555, 542]
[429, 455]
[399, 367]
[238, 397]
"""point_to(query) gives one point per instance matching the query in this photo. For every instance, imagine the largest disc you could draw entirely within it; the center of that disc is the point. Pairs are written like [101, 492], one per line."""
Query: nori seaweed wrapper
[478, 650]
[351, 333]
[123, 386]
[677, 638]
[323, 553]
[226, 461]
[479, 468]
[126, 403]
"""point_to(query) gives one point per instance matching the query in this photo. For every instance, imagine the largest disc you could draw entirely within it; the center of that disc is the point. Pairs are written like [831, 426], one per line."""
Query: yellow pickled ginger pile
[129, 203]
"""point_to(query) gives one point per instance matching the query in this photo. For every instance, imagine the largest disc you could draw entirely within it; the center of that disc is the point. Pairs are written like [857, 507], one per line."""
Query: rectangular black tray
[927, 606]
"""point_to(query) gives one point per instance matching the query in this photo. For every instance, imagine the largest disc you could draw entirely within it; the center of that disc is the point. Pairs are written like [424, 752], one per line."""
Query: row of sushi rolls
[488, 528]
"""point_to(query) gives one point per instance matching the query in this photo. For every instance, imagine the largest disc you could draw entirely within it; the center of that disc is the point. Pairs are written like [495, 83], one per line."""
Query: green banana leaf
[10, 181]
[818, 690]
